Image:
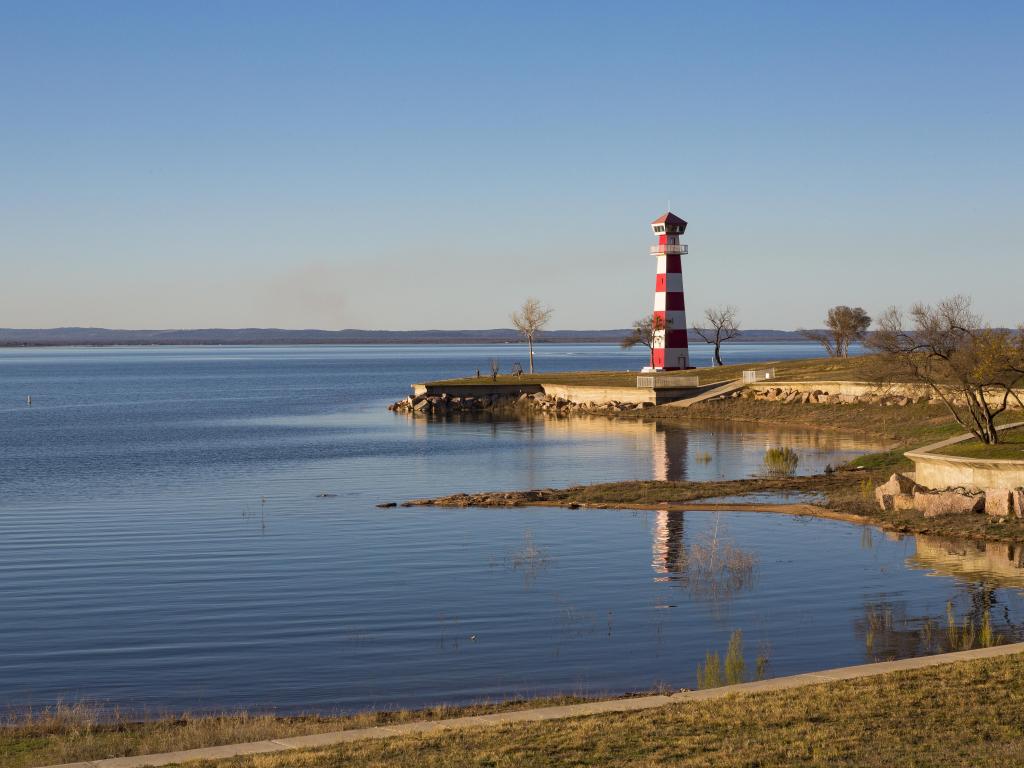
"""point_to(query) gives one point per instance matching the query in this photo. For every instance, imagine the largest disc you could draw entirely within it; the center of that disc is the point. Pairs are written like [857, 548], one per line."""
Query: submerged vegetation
[717, 568]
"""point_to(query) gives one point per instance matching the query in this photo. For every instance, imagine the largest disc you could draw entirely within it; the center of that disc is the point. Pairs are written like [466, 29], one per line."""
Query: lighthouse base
[671, 359]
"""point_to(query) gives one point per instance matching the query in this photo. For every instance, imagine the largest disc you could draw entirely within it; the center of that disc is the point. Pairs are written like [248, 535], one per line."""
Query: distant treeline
[20, 337]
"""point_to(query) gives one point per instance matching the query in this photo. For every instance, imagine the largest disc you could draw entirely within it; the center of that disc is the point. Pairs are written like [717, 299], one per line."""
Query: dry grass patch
[70, 733]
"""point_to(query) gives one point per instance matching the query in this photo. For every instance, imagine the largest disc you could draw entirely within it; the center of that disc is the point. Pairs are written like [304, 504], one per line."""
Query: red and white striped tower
[670, 351]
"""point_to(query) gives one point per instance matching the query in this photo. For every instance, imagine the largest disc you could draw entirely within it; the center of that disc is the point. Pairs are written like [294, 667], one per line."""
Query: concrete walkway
[726, 388]
[544, 713]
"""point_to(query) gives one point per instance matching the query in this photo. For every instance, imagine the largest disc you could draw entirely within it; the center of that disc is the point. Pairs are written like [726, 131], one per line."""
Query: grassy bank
[902, 427]
[863, 368]
[965, 714]
[71, 733]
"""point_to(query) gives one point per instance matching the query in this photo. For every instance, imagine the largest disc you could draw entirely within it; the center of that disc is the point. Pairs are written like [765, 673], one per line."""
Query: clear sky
[430, 165]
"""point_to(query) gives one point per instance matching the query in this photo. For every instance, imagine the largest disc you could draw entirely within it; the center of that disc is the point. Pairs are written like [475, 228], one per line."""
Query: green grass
[898, 426]
[965, 714]
[863, 368]
[1010, 446]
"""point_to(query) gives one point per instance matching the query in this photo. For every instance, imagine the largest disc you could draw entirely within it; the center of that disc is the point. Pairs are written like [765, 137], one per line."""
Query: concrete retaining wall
[934, 470]
[572, 392]
[474, 390]
[602, 395]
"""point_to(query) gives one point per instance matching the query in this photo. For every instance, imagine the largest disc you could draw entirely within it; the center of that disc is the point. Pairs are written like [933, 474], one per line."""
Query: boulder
[1017, 499]
[903, 502]
[952, 501]
[999, 502]
[889, 493]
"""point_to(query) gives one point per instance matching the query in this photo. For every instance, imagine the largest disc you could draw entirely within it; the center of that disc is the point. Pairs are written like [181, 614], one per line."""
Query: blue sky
[415, 165]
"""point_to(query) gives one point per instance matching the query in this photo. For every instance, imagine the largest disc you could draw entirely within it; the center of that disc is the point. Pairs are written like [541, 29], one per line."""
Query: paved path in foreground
[543, 713]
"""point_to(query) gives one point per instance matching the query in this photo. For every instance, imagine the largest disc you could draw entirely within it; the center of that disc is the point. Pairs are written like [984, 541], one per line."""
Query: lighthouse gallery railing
[670, 250]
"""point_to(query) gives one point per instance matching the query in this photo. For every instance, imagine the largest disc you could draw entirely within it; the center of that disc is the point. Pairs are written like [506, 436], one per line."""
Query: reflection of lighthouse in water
[669, 447]
[668, 453]
[669, 549]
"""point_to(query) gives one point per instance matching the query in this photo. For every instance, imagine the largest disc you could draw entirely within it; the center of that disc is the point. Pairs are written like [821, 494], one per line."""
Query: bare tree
[495, 368]
[645, 331]
[844, 325]
[970, 366]
[530, 320]
[721, 324]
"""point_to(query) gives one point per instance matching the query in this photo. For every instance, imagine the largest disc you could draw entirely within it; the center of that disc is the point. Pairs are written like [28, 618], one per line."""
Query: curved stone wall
[934, 470]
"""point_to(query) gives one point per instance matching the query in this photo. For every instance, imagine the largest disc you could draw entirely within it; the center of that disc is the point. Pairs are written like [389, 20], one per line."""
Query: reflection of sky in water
[142, 567]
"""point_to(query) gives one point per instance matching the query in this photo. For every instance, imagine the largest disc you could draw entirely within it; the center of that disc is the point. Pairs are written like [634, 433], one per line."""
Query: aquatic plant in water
[781, 462]
[888, 637]
[530, 559]
[718, 569]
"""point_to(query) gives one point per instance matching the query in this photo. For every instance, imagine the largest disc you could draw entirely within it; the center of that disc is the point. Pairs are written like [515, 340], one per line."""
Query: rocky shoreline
[823, 397]
[784, 394]
[902, 492]
[440, 405]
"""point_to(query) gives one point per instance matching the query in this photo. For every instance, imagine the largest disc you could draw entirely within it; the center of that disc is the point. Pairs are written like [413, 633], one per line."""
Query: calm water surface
[195, 528]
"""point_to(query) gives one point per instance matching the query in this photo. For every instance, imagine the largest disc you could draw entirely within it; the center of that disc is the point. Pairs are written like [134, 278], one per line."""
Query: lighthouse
[670, 351]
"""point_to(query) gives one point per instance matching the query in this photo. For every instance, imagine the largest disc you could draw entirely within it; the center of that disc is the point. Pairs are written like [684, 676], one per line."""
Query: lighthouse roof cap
[670, 218]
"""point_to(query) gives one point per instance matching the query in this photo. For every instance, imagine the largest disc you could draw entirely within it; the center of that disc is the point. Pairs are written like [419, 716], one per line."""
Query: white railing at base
[758, 374]
[666, 382]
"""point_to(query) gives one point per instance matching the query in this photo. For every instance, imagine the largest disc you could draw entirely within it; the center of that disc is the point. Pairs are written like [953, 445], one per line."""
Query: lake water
[164, 544]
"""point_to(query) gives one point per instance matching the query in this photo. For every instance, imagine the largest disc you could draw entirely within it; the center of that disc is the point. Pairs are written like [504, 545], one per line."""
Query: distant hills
[15, 337]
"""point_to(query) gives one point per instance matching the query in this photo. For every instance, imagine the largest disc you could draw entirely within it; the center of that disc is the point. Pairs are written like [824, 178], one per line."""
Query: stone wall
[832, 393]
[845, 392]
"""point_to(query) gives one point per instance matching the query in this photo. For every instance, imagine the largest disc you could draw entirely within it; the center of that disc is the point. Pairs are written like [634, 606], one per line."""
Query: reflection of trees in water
[712, 567]
[889, 633]
[529, 559]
